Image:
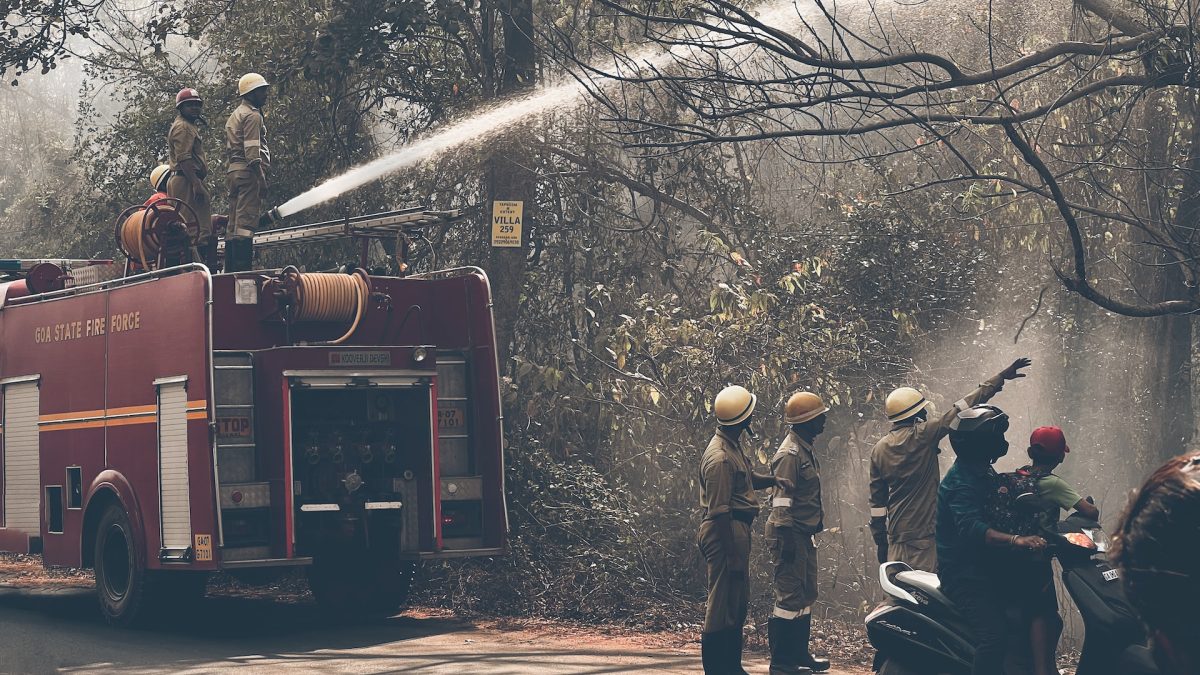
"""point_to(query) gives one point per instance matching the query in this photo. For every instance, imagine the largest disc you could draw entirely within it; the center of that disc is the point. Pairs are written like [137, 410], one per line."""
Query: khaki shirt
[801, 510]
[184, 143]
[246, 138]
[726, 478]
[904, 469]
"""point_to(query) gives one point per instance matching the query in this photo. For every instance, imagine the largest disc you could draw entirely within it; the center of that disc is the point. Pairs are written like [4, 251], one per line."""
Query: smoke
[561, 96]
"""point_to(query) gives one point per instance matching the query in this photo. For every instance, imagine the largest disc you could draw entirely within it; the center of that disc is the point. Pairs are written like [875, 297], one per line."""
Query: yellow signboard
[506, 224]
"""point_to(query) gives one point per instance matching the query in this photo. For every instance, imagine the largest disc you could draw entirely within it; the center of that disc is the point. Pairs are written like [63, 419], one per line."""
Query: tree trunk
[1169, 338]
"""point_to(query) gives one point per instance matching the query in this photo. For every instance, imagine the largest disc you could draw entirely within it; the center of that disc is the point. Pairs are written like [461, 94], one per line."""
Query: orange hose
[133, 239]
[322, 296]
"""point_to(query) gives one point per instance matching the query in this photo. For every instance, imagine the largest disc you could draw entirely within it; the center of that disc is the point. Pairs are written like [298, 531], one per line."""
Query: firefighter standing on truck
[249, 159]
[904, 471]
[796, 517]
[727, 485]
[189, 169]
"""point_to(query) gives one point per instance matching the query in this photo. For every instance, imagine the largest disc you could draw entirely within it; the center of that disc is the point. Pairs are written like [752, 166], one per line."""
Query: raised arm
[940, 426]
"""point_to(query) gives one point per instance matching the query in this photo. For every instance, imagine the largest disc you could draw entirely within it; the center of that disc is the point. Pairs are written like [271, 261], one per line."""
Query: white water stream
[782, 14]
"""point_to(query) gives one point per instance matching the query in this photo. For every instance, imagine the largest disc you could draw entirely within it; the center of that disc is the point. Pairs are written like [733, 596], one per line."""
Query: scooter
[920, 632]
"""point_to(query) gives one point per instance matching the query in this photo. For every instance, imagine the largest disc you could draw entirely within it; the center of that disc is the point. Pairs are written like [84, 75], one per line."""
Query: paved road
[62, 631]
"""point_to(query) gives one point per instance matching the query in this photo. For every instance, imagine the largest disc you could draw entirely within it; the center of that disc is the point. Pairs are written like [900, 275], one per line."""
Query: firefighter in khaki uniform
[796, 516]
[249, 159]
[189, 169]
[904, 471]
[727, 485]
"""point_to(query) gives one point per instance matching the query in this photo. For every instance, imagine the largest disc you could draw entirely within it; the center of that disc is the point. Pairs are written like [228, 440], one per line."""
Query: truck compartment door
[22, 470]
[175, 502]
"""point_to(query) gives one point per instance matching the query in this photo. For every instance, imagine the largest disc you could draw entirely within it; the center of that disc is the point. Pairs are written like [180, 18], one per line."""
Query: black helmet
[978, 433]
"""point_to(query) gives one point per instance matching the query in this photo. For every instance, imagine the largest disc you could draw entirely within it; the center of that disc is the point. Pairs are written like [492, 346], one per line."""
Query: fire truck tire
[348, 586]
[121, 579]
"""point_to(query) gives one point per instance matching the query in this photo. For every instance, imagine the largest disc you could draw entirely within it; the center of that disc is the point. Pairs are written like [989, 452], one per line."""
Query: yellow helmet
[159, 176]
[733, 405]
[802, 407]
[251, 81]
[903, 403]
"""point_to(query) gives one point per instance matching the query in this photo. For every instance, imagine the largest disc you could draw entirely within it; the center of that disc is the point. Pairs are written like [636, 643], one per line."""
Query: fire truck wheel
[350, 586]
[120, 573]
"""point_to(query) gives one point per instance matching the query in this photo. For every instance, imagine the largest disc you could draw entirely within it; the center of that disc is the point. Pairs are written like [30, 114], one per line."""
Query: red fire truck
[161, 426]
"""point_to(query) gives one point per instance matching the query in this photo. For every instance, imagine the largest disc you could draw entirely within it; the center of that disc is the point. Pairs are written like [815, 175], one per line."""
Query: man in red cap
[1048, 448]
[189, 169]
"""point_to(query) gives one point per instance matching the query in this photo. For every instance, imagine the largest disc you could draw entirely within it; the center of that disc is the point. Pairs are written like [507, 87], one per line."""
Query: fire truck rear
[162, 426]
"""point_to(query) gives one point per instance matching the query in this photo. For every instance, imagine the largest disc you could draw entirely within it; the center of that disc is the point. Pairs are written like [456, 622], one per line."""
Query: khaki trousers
[919, 554]
[795, 581]
[197, 197]
[246, 187]
[728, 594]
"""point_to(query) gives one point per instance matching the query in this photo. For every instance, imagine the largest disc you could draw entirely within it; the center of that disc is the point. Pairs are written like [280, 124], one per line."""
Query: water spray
[488, 123]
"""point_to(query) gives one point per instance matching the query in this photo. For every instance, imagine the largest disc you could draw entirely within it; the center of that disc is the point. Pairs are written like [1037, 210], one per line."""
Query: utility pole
[511, 179]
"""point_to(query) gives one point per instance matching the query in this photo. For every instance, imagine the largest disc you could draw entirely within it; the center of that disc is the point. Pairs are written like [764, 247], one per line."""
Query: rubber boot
[802, 628]
[238, 254]
[784, 654]
[710, 652]
[208, 253]
[736, 640]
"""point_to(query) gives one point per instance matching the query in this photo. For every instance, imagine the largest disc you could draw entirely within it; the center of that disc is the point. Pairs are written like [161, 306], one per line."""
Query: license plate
[1111, 575]
[451, 418]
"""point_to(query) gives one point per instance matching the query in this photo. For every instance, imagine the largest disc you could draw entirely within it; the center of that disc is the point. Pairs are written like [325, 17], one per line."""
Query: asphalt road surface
[60, 630]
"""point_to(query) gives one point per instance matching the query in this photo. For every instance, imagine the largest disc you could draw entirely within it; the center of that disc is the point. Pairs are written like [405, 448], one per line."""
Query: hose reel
[159, 234]
[322, 296]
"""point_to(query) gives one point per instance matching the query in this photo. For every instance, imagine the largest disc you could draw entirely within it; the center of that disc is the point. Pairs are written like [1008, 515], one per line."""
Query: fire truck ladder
[393, 225]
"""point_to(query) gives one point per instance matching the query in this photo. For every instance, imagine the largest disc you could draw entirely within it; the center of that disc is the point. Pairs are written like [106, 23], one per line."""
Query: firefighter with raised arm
[727, 485]
[189, 169]
[904, 471]
[249, 160]
[796, 516]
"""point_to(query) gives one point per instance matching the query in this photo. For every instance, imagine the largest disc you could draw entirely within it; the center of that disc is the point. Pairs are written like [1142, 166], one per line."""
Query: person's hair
[1040, 455]
[1157, 547]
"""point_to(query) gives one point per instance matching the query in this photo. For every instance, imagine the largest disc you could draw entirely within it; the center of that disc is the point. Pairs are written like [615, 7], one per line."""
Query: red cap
[187, 94]
[1051, 439]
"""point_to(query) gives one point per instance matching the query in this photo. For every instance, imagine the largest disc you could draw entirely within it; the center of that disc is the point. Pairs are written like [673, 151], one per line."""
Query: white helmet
[733, 405]
[251, 81]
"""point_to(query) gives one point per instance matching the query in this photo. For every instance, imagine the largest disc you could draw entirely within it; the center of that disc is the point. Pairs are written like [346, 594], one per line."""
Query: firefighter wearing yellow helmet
[796, 516]
[249, 160]
[904, 471]
[727, 485]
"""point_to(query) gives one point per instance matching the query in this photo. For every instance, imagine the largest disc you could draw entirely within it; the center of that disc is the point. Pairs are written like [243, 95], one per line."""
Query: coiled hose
[141, 229]
[321, 296]
[135, 237]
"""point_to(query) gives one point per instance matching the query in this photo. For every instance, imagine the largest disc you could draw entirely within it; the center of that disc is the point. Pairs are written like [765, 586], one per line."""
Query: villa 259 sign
[506, 224]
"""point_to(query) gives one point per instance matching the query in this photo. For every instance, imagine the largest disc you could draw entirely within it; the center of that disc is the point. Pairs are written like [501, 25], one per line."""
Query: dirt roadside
[424, 640]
